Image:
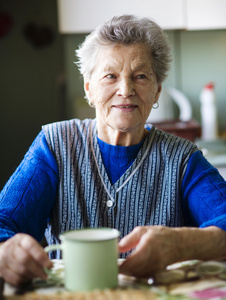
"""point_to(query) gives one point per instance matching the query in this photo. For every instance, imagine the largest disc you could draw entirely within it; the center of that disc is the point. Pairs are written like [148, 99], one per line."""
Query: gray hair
[126, 30]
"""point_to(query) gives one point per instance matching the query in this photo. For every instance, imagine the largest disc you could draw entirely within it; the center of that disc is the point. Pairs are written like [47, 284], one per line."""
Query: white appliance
[165, 111]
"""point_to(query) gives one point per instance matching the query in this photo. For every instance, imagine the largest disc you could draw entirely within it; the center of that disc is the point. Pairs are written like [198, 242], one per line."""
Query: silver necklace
[130, 176]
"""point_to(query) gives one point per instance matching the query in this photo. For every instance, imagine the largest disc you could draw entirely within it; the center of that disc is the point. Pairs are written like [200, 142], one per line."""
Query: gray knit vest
[148, 193]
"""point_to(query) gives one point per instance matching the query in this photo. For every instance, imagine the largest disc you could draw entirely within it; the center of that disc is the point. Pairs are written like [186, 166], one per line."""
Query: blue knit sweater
[28, 197]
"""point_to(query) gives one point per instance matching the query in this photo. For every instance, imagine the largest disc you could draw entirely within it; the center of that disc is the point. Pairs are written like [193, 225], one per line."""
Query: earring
[157, 105]
[91, 105]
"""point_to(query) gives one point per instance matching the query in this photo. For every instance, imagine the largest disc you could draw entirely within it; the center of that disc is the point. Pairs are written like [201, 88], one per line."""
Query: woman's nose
[125, 88]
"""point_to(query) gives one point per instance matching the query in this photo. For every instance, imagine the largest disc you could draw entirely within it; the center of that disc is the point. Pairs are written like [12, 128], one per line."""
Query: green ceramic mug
[90, 258]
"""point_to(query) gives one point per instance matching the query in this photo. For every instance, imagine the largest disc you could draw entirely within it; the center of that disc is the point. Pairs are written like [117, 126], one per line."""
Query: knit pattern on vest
[150, 197]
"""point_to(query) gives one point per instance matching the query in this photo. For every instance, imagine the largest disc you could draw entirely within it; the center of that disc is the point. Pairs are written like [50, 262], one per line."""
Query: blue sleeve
[203, 194]
[28, 197]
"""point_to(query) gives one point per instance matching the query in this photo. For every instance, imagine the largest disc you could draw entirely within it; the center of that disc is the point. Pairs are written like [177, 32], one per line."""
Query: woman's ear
[86, 88]
[88, 93]
[158, 93]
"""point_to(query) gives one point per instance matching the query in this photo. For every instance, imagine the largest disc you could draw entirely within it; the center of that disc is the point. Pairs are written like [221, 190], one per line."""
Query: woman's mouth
[125, 107]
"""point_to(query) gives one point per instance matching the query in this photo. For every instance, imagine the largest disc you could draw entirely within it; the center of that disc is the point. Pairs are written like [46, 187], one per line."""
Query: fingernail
[121, 243]
[48, 264]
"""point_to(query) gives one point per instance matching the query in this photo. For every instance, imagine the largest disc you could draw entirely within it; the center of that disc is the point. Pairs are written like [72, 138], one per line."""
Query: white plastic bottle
[209, 120]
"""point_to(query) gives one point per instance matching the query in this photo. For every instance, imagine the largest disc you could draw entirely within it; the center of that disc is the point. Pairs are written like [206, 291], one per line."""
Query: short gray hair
[126, 30]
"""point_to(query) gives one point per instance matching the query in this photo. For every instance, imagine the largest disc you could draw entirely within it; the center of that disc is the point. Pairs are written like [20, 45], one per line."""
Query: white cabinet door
[206, 14]
[83, 16]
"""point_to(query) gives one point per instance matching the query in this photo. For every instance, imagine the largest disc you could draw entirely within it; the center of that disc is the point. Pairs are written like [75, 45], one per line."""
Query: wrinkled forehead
[137, 56]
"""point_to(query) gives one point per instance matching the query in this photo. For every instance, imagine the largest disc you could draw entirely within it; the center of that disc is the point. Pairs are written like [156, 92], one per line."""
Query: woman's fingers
[154, 250]
[14, 278]
[137, 264]
[22, 259]
[131, 240]
[36, 252]
[26, 265]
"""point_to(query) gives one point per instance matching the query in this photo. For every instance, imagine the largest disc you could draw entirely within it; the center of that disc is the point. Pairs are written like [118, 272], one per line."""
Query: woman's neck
[119, 138]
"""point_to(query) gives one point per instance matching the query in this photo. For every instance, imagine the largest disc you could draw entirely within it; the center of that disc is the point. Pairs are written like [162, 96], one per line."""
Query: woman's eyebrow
[142, 66]
[108, 68]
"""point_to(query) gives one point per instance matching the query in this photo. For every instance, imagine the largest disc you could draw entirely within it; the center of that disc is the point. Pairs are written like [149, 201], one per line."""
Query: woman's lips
[125, 107]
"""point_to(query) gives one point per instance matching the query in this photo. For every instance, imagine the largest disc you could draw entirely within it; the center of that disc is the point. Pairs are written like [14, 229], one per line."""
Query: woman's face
[123, 88]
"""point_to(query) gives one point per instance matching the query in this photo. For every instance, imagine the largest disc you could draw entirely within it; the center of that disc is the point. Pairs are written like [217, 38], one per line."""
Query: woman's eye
[141, 76]
[111, 76]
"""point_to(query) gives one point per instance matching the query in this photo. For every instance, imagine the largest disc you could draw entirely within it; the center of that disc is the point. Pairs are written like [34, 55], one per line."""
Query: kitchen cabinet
[76, 16]
[206, 14]
[83, 16]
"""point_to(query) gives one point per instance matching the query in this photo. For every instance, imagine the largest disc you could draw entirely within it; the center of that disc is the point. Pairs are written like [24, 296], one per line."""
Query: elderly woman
[115, 171]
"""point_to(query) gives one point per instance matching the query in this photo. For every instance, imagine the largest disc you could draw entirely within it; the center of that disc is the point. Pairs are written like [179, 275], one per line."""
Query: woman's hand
[155, 247]
[154, 250]
[22, 259]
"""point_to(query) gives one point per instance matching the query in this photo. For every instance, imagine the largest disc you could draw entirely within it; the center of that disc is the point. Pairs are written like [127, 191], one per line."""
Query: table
[215, 153]
[186, 280]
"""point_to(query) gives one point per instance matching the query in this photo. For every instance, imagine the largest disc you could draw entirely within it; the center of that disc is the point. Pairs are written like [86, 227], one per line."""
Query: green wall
[203, 59]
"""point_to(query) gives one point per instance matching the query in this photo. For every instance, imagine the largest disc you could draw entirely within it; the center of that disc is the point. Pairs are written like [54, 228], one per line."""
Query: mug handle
[53, 247]
[52, 276]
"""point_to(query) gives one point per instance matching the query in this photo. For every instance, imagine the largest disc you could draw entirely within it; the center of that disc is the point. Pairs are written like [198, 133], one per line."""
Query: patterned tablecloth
[186, 280]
